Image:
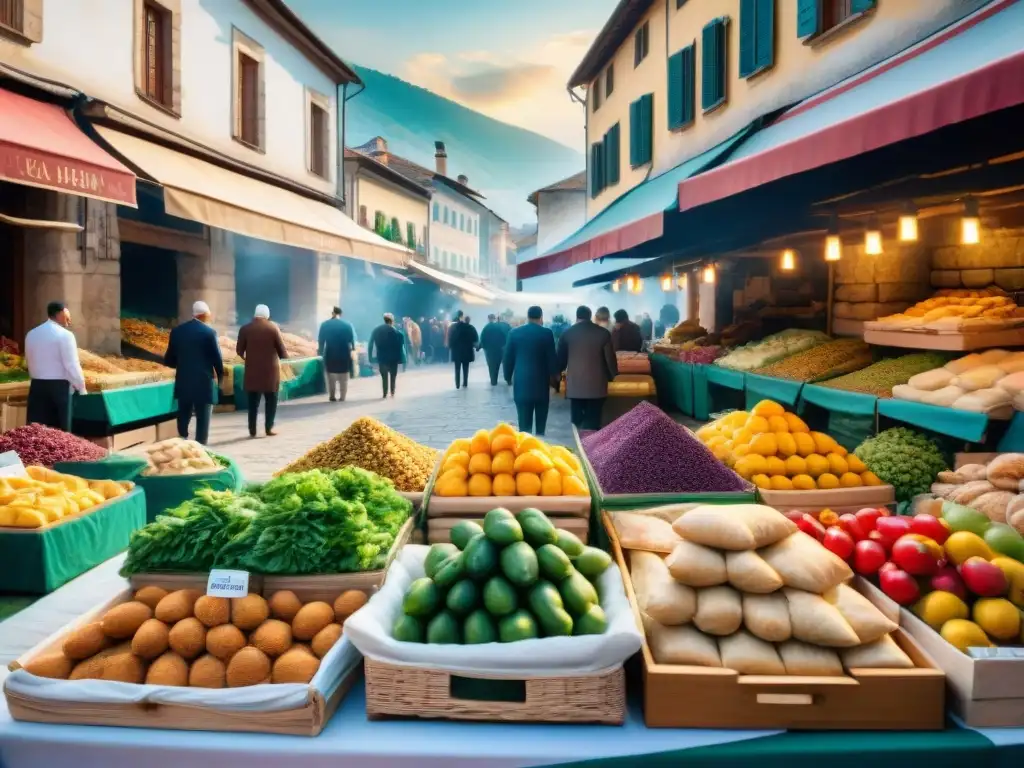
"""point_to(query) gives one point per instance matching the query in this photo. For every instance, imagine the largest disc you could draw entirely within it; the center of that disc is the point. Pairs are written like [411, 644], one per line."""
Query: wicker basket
[399, 691]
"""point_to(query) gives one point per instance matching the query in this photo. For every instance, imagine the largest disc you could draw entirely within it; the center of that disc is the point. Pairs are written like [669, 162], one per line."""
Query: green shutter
[634, 134]
[764, 44]
[807, 13]
[748, 36]
[611, 156]
[689, 83]
[713, 64]
[601, 178]
[861, 6]
[675, 90]
[646, 128]
[595, 176]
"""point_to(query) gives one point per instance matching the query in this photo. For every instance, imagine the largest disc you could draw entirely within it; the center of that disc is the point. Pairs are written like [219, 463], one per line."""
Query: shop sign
[25, 166]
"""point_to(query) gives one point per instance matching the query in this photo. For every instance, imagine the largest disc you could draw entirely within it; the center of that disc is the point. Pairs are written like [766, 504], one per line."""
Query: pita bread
[657, 593]
[748, 572]
[812, 660]
[867, 621]
[817, 621]
[644, 533]
[767, 617]
[696, 565]
[749, 655]
[804, 564]
[719, 610]
[884, 653]
[734, 527]
[682, 645]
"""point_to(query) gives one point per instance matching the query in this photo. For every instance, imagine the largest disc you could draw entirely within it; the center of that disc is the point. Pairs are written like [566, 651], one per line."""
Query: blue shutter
[749, 25]
[646, 128]
[861, 6]
[713, 64]
[611, 156]
[764, 44]
[675, 90]
[807, 13]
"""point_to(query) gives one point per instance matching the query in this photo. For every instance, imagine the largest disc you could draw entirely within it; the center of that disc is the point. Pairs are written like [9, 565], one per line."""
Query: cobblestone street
[426, 407]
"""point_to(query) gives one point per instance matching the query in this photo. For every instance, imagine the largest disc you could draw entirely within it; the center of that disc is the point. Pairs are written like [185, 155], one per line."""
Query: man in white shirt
[52, 356]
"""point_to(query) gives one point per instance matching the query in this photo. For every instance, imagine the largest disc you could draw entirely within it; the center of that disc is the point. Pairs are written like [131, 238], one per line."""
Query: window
[249, 94]
[609, 80]
[319, 135]
[155, 53]
[680, 4]
[641, 130]
[713, 64]
[446, 214]
[682, 84]
[596, 91]
[395, 230]
[410, 235]
[813, 17]
[611, 156]
[22, 20]
[10, 14]
[641, 43]
[436, 258]
[757, 36]
[437, 212]
[380, 223]
[363, 221]
[597, 169]
[462, 222]
[424, 238]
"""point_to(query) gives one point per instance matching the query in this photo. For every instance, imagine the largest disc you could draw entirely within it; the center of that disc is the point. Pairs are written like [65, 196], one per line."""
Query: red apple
[839, 542]
[852, 526]
[811, 527]
[982, 578]
[915, 557]
[868, 557]
[946, 579]
[867, 518]
[899, 585]
[928, 525]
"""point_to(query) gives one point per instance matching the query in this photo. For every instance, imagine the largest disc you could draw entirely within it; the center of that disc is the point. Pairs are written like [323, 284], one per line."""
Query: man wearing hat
[261, 346]
[53, 367]
[194, 354]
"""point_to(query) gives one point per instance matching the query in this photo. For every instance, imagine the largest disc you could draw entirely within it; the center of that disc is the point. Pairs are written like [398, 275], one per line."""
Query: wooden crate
[175, 581]
[863, 496]
[677, 696]
[306, 720]
[478, 506]
[954, 341]
[439, 528]
[401, 691]
[12, 415]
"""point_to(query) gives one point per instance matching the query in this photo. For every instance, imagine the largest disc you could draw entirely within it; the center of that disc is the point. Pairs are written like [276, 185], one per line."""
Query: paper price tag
[227, 584]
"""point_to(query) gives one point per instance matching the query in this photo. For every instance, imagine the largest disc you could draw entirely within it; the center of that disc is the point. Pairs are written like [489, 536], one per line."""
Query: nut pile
[375, 447]
[880, 378]
[185, 638]
[833, 358]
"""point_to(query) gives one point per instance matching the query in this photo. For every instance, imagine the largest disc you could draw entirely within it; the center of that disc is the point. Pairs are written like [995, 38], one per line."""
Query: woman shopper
[389, 344]
[462, 342]
[261, 346]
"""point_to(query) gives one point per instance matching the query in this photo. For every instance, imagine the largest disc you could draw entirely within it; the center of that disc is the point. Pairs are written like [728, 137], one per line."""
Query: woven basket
[399, 691]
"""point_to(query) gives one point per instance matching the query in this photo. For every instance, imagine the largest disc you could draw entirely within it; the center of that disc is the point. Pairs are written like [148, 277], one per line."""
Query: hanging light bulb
[681, 282]
[638, 285]
[833, 243]
[616, 284]
[970, 224]
[666, 283]
[788, 260]
[908, 225]
[630, 283]
[709, 274]
[873, 239]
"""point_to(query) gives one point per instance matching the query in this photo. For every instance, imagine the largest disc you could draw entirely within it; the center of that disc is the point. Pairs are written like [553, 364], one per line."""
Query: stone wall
[867, 287]
[209, 278]
[998, 258]
[328, 286]
[83, 270]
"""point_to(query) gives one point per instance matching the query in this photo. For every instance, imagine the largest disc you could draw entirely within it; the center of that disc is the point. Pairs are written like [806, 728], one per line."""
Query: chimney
[377, 148]
[440, 158]
[463, 179]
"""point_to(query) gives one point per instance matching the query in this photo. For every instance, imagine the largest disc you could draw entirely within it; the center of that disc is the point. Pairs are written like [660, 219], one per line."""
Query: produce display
[45, 446]
[702, 355]
[227, 350]
[320, 522]
[903, 458]
[12, 367]
[375, 447]
[298, 346]
[987, 382]
[631, 385]
[687, 330]
[633, 362]
[504, 462]
[957, 309]
[824, 361]
[145, 335]
[741, 587]
[187, 639]
[879, 378]
[644, 451]
[758, 354]
[995, 489]
[776, 450]
[43, 496]
[517, 577]
[959, 572]
[177, 456]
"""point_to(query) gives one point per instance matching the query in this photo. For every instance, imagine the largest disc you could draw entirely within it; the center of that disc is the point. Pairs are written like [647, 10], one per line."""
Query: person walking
[585, 354]
[194, 354]
[493, 338]
[335, 344]
[261, 347]
[389, 344]
[462, 341]
[603, 317]
[54, 370]
[413, 340]
[530, 364]
[647, 327]
[626, 335]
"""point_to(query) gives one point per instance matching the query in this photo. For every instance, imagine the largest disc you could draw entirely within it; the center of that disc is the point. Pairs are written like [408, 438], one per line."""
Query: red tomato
[884, 541]
[868, 557]
[794, 515]
[839, 542]
[852, 526]
[893, 526]
[866, 518]
[915, 557]
[899, 585]
[928, 525]
[811, 527]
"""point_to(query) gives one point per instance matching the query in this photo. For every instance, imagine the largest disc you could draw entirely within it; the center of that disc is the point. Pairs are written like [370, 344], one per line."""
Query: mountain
[503, 162]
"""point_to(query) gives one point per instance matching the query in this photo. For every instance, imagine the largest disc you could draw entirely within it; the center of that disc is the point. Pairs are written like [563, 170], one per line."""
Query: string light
[833, 243]
[907, 225]
[970, 224]
[873, 239]
[788, 260]
[666, 283]
[616, 284]
[638, 285]
[709, 274]
[630, 283]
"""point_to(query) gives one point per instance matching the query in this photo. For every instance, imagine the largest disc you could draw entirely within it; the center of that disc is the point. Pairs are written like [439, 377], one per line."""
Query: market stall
[301, 377]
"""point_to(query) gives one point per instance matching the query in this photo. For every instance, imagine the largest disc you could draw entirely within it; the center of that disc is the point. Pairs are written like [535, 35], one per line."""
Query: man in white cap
[261, 346]
[194, 354]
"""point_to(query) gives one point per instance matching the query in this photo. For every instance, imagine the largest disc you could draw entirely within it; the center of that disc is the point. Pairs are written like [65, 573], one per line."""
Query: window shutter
[601, 177]
[675, 90]
[611, 156]
[709, 95]
[597, 93]
[609, 80]
[689, 82]
[595, 177]
[634, 133]
[638, 37]
[749, 29]
[860, 6]
[647, 127]
[807, 21]
[764, 45]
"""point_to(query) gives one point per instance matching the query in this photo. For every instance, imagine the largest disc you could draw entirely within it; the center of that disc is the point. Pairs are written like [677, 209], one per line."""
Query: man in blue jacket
[530, 364]
[493, 338]
[336, 342]
[194, 354]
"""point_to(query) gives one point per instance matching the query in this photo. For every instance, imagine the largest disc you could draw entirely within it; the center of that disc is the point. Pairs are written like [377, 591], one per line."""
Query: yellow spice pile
[375, 447]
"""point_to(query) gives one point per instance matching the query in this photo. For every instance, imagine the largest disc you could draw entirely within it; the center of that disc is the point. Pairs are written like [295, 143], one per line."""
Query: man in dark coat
[493, 338]
[336, 342]
[626, 335]
[530, 365]
[389, 344]
[194, 354]
[647, 327]
[462, 341]
[585, 354]
[261, 346]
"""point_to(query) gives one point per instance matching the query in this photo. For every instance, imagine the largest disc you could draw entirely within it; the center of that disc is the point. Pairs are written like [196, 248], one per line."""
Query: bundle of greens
[338, 521]
[189, 537]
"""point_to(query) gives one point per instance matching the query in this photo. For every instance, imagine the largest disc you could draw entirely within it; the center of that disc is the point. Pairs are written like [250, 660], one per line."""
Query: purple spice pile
[37, 445]
[644, 451]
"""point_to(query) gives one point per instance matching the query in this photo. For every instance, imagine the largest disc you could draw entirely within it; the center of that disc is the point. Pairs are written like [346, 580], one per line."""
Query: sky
[509, 59]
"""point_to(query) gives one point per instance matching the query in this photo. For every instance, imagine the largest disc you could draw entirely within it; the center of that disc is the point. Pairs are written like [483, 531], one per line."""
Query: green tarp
[128, 405]
[725, 377]
[674, 381]
[39, 562]
[115, 466]
[768, 388]
[701, 398]
[1013, 440]
[309, 380]
[849, 417]
[963, 425]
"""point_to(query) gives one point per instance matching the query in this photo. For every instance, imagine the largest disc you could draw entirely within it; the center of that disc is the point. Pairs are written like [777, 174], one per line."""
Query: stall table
[309, 380]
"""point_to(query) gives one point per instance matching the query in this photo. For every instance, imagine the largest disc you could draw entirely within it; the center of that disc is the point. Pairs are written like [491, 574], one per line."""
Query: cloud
[497, 84]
